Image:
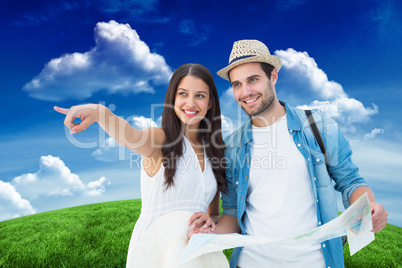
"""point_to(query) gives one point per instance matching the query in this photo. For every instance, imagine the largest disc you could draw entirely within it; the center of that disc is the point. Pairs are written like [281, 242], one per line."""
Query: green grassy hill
[98, 236]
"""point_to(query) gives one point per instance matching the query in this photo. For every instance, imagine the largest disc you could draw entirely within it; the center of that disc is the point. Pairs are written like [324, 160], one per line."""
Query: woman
[183, 167]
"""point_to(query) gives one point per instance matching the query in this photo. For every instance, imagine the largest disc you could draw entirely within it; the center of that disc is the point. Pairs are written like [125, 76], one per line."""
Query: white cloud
[95, 188]
[111, 151]
[228, 94]
[141, 122]
[302, 64]
[159, 121]
[346, 111]
[373, 133]
[12, 205]
[119, 63]
[52, 179]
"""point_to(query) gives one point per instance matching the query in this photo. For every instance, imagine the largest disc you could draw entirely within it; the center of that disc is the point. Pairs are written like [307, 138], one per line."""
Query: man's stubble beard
[266, 104]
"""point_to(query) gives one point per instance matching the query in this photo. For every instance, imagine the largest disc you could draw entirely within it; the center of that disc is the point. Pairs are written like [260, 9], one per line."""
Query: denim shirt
[342, 174]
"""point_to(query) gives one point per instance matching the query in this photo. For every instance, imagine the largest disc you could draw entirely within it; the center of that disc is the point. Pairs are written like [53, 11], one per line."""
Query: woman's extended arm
[146, 142]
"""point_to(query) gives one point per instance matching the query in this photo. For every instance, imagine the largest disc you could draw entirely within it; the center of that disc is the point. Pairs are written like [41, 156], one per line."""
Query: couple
[186, 165]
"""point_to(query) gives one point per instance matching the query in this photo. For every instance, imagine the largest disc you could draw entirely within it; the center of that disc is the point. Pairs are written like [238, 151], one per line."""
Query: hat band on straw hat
[240, 58]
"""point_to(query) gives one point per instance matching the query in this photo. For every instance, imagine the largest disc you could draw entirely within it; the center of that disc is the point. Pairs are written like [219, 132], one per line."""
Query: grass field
[98, 236]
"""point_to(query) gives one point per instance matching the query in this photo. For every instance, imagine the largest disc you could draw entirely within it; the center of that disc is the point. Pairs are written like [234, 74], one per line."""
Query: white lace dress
[193, 191]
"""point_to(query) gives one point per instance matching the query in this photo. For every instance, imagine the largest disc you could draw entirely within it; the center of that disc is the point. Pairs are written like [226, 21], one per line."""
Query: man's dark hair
[267, 68]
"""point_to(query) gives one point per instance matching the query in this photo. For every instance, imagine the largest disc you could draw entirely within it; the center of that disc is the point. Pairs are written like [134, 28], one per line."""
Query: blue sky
[343, 56]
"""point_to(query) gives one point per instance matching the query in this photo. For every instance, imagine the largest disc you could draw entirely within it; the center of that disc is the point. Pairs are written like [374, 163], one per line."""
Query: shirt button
[319, 223]
[318, 160]
[237, 182]
[317, 200]
[308, 159]
[291, 130]
[298, 145]
[323, 245]
[315, 178]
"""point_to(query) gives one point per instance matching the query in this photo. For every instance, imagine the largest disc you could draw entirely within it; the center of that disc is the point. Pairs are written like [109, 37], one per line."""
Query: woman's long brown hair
[209, 129]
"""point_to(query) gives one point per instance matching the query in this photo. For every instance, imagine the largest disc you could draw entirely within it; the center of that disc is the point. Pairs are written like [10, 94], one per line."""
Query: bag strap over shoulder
[316, 134]
[320, 142]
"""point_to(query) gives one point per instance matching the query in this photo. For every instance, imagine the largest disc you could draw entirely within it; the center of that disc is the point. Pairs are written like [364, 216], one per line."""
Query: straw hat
[245, 51]
[163, 243]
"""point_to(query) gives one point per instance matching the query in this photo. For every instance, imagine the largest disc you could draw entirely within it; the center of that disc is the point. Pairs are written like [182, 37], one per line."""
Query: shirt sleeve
[341, 167]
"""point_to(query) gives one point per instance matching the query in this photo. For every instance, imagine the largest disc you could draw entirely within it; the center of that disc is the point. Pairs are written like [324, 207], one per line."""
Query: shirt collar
[291, 117]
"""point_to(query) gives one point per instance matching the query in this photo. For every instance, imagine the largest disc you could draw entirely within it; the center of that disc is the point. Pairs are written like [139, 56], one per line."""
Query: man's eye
[236, 84]
[200, 96]
[253, 79]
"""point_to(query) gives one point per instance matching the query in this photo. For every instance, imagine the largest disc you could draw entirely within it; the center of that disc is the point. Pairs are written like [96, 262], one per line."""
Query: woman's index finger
[61, 110]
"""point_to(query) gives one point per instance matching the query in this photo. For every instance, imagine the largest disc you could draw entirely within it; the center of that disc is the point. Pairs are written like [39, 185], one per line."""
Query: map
[355, 222]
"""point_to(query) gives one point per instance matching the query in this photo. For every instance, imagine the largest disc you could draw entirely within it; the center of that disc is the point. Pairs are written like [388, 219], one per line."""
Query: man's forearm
[359, 192]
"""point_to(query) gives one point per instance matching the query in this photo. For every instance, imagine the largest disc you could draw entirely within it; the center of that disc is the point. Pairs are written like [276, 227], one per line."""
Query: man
[278, 182]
